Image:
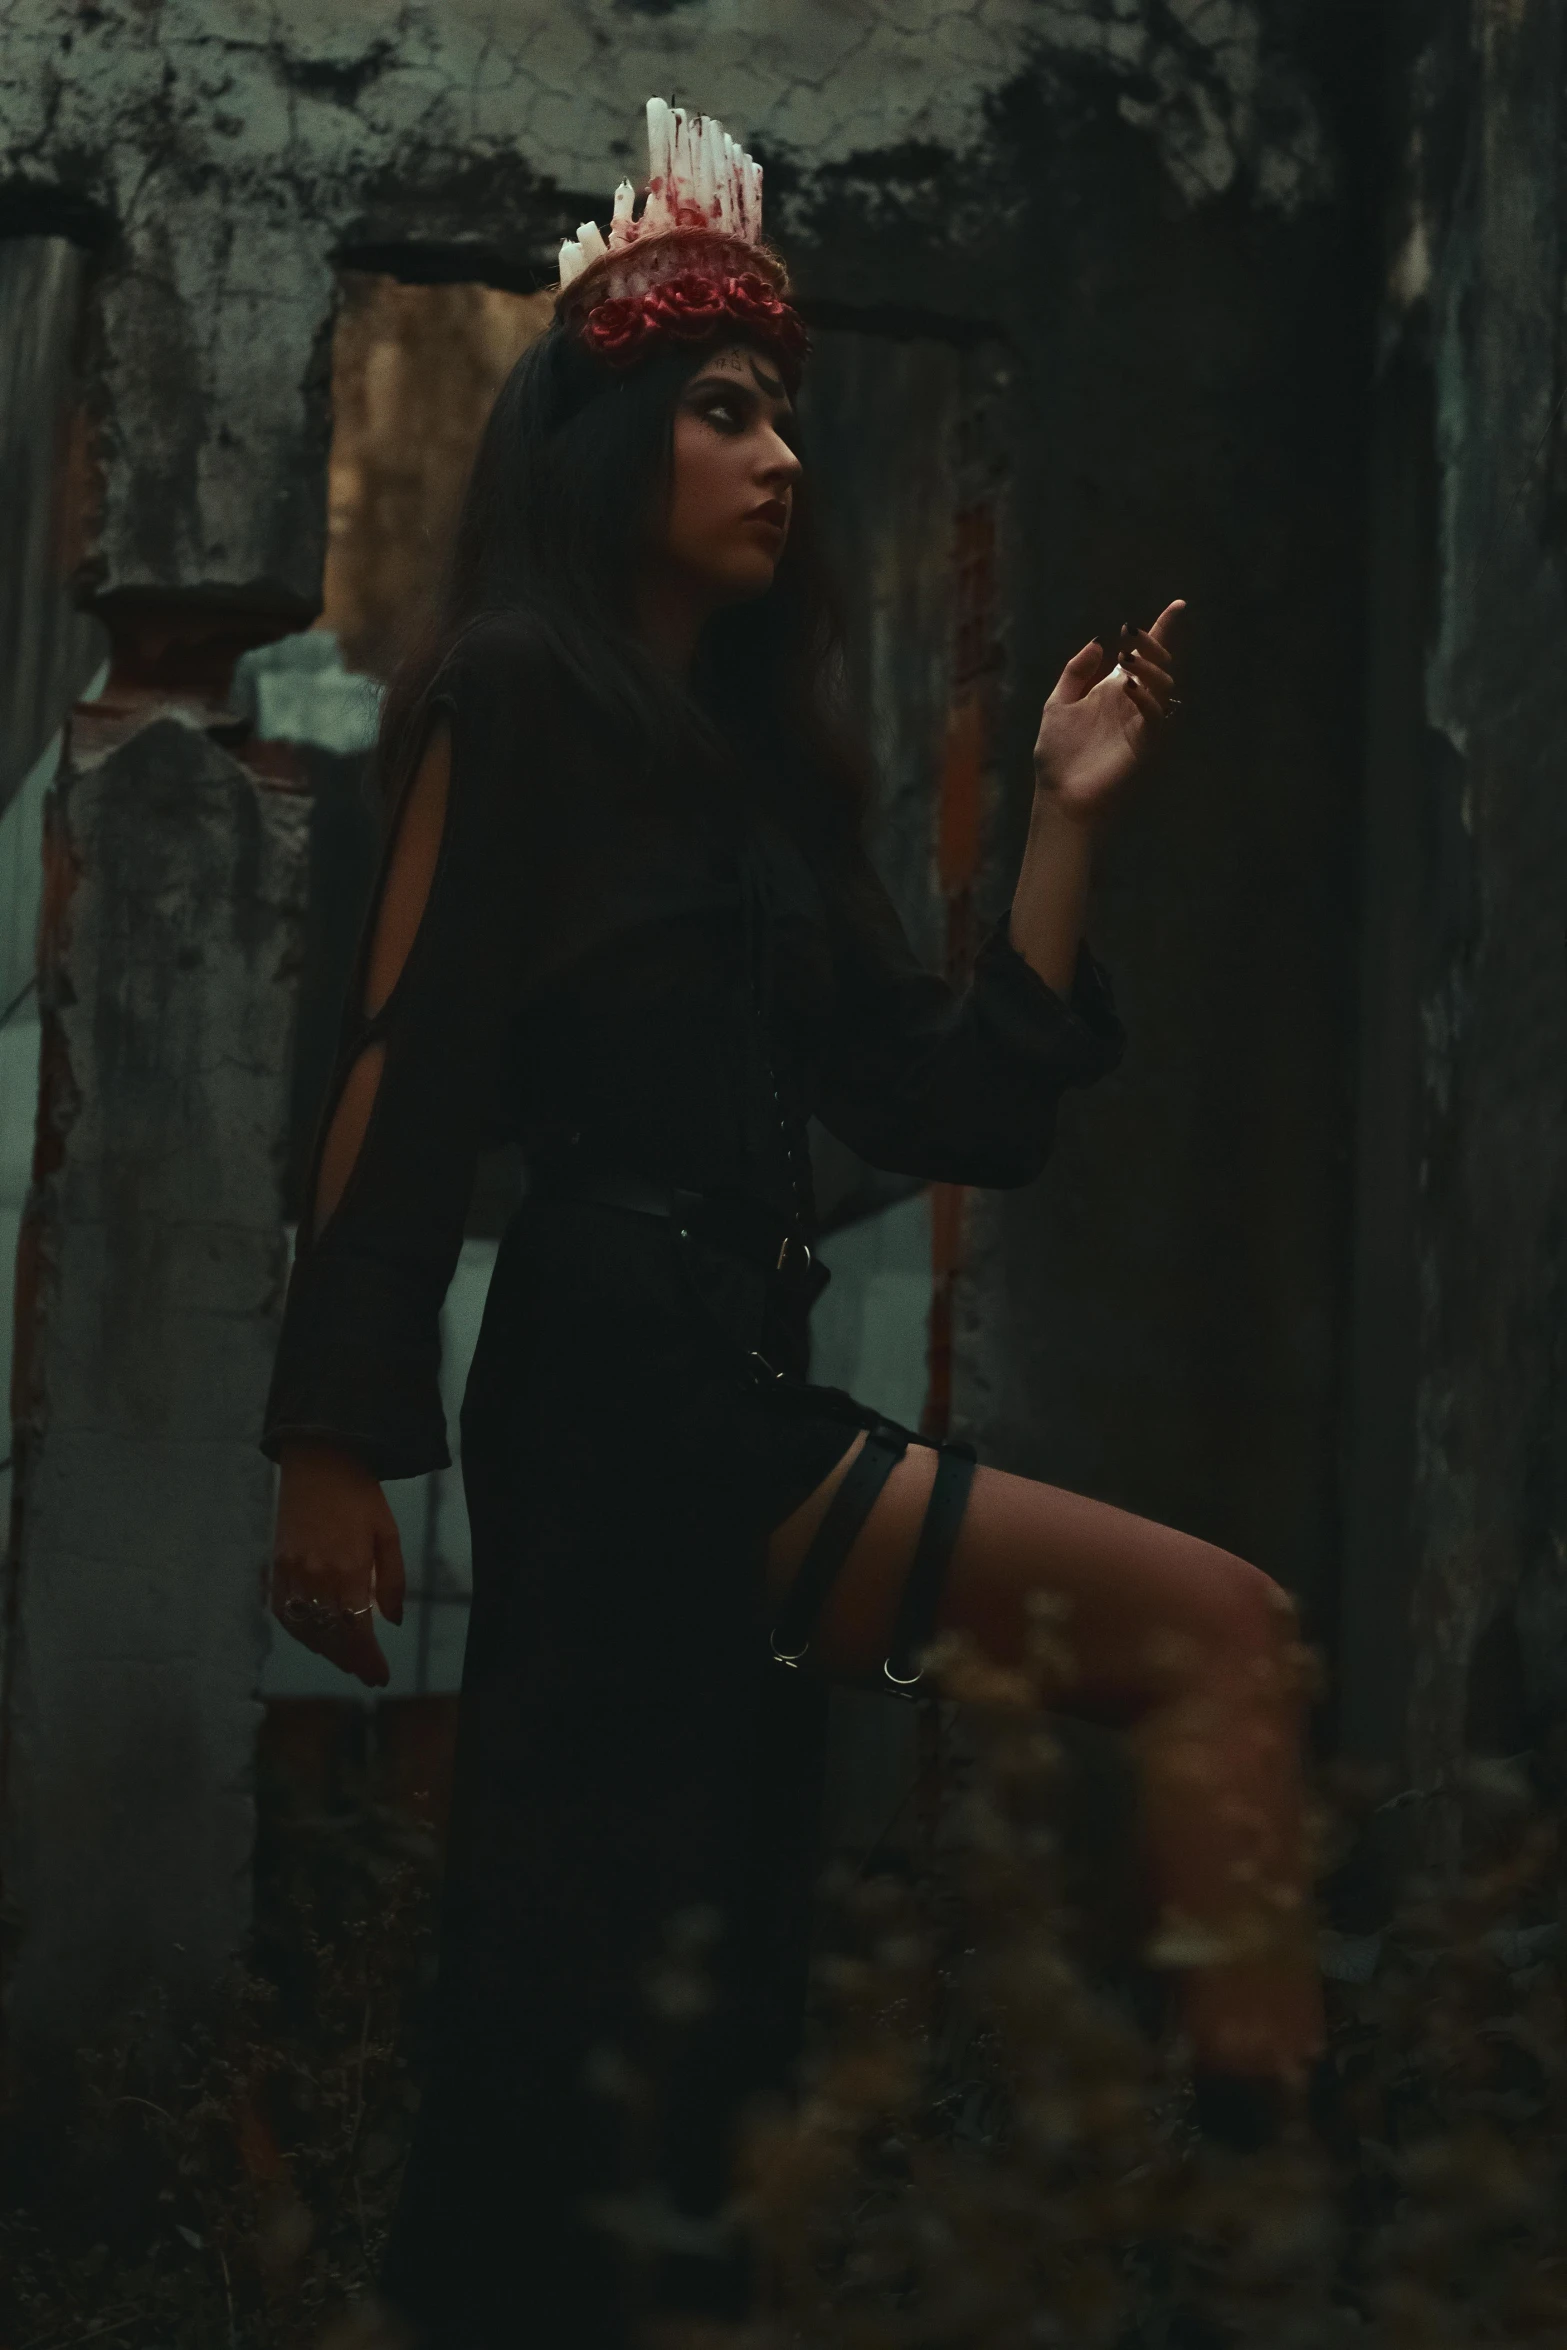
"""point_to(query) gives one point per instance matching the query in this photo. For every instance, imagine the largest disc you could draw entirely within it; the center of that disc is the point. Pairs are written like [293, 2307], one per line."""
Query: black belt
[740, 1227]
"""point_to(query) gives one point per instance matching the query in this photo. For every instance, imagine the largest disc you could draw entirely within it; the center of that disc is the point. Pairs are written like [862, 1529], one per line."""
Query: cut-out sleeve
[952, 1085]
[434, 989]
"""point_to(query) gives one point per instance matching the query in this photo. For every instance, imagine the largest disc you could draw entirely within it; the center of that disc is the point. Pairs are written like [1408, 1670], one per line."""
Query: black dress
[631, 976]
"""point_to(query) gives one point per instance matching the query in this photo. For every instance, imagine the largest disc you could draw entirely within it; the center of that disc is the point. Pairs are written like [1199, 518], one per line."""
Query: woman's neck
[669, 622]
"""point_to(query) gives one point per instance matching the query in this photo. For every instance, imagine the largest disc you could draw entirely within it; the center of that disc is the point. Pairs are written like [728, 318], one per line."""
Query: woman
[625, 914]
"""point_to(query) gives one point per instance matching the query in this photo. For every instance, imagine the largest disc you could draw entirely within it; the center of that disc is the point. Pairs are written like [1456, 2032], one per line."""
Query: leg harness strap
[916, 1622]
[833, 1540]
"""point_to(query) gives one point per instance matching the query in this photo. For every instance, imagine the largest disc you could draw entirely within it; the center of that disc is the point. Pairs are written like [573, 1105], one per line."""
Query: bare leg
[1188, 1646]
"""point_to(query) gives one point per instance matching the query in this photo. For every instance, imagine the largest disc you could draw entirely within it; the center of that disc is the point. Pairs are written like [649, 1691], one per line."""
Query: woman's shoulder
[508, 652]
[522, 715]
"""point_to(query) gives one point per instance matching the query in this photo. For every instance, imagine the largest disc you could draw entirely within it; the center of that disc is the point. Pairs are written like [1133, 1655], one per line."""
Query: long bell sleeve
[956, 1085]
[359, 1354]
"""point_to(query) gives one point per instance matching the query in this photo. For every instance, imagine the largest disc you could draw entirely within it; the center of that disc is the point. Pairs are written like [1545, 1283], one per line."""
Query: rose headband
[691, 263]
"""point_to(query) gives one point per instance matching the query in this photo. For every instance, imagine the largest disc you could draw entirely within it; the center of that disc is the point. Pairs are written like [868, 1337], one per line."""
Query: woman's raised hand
[1104, 721]
[336, 1557]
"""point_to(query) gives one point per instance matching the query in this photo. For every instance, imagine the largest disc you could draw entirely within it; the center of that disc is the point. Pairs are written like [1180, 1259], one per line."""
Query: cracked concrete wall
[154, 1261]
[226, 149]
[1456, 1573]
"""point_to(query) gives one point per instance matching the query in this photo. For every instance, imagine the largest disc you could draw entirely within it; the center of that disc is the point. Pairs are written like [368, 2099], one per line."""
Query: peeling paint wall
[1456, 1618]
[228, 149]
[333, 92]
[153, 1261]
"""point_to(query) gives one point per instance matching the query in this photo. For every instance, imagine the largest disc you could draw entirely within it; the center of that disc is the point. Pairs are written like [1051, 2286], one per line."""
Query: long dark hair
[571, 465]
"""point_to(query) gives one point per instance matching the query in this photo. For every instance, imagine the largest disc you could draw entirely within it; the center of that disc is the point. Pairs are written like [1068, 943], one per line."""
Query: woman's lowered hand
[336, 1557]
[1105, 720]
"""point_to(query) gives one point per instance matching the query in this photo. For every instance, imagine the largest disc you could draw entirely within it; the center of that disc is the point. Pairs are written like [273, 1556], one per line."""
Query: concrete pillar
[152, 1268]
[1455, 1606]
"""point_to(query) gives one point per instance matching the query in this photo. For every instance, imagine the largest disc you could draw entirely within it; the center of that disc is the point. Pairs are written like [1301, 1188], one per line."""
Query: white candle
[679, 163]
[623, 227]
[695, 168]
[658, 211]
[716, 148]
[726, 180]
[660, 130]
[703, 186]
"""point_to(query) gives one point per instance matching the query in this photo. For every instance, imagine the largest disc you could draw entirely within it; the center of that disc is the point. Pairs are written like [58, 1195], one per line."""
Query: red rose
[751, 293]
[759, 305]
[690, 307]
[694, 308]
[616, 329]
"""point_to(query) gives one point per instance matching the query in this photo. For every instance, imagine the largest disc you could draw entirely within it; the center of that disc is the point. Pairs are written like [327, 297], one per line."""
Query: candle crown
[699, 178]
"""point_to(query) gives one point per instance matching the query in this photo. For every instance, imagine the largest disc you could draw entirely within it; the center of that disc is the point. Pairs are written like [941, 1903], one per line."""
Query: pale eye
[725, 414]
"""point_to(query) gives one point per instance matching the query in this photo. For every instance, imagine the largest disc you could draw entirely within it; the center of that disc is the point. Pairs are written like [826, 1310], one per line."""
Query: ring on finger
[306, 1613]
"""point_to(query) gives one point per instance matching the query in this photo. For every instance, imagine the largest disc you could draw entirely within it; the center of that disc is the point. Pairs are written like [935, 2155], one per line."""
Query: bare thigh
[1125, 1585]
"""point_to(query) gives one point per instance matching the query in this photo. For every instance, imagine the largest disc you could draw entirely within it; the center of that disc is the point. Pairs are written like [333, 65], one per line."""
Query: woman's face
[732, 481]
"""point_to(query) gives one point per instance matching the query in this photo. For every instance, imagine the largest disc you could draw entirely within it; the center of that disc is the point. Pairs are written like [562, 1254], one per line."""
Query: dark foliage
[234, 2190]
[989, 2153]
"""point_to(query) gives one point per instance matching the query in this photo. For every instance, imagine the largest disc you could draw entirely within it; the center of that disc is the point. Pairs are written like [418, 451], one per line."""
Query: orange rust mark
[960, 808]
[280, 764]
[178, 648]
[960, 827]
[78, 493]
[974, 595]
[948, 1202]
[173, 652]
[415, 371]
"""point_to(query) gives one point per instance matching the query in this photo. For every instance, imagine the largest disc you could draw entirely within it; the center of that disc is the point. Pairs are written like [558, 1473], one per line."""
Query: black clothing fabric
[622, 971]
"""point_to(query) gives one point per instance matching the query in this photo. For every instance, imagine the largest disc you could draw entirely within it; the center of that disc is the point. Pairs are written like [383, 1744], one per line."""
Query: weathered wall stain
[1457, 1477]
[155, 1262]
[234, 149]
[320, 94]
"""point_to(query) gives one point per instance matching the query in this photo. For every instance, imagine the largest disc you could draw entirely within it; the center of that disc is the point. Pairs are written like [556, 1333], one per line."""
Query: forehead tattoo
[737, 361]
